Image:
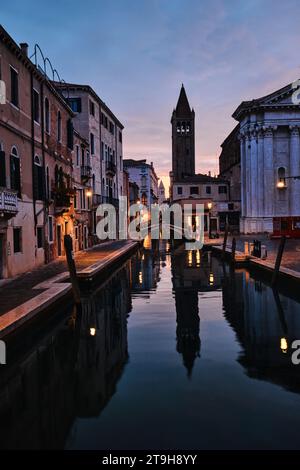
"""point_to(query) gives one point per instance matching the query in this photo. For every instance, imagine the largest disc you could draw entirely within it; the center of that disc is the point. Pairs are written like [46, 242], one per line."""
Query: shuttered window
[15, 176]
[2, 169]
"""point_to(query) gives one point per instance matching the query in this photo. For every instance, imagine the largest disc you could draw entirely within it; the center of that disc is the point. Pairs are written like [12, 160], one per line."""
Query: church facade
[270, 163]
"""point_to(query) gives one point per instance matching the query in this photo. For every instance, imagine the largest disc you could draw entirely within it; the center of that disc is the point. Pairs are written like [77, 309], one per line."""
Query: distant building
[161, 192]
[270, 158]
[143, 174]
[191, 188]
[183, 139]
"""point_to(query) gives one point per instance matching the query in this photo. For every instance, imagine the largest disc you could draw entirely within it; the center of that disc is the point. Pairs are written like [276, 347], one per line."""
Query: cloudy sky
[136, 54]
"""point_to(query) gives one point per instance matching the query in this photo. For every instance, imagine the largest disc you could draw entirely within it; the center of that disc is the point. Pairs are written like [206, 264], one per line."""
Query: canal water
[174, 351]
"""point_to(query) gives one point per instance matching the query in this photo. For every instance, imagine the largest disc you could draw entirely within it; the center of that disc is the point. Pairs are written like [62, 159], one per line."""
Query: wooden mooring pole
[278, 260]
[68, 242]
[233, 247]
[225, 241]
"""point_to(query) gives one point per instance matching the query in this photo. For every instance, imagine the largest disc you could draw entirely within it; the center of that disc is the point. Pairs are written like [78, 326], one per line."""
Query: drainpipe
[45, 210]
[32, 154]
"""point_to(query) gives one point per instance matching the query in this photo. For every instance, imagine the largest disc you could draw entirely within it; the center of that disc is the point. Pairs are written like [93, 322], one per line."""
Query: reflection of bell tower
[188, 325]
[183, 139]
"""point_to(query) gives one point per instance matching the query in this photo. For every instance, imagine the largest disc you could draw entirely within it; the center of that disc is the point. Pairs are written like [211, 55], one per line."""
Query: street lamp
[209, 205]
[281, 182]
[89, 192]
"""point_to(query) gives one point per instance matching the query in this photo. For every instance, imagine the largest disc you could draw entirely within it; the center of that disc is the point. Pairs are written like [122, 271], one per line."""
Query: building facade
[270, 159]
[143, 174]
[161, 193]
[52, 177]
[104, 166]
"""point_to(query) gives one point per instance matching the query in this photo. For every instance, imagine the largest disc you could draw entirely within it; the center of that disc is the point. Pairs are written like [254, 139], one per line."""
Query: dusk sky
[136, 54]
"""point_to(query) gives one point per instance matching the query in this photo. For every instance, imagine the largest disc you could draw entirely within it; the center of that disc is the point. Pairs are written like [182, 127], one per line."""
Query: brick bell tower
[183, 139]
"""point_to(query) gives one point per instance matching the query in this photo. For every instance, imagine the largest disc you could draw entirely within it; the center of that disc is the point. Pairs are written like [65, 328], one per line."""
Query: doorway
[59, 252]
[1, 255]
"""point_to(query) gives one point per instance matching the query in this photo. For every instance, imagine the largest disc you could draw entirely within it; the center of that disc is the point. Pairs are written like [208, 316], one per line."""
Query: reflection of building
[266, 324]
[143, 174]
[145, 272]
[71, 373]
[192, 272]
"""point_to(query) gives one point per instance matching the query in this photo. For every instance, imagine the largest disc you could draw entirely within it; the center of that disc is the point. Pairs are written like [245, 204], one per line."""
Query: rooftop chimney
[24, 48]
[209, 173]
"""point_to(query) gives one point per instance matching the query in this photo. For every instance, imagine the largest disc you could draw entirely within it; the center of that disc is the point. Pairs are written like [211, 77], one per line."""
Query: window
[77, 156]
[2, 167]
[92, 108]
[230, 206]
[75, 198]
[15, 177]
[82, 157]
[281, 177]
[75, 104]
[47, 116]
[59, 126]
[39, 237]
[17, 240]
[120, 162]
[47, 184]
[222, 189]
[111, 127]
[92, 143]
[50, 228]
[120, 136]
[179, 189]
[208, 189]
[36, 106]
[70, 134]
[194, 190]
[38, 184]
[102, 150]
[76, 233]
[14, 87]
[104, 120]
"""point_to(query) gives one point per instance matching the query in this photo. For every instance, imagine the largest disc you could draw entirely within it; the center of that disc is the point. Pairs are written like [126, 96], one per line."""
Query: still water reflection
[173, 352]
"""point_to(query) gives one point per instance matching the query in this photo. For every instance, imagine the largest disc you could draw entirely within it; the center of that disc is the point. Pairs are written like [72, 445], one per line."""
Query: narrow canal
[174, 351]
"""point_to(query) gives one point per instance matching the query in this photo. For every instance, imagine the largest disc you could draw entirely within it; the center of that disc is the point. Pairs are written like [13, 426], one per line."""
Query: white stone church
[269, 160]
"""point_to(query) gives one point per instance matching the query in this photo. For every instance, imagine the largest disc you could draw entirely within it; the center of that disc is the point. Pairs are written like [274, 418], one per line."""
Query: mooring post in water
[233, 247]
[225, 241]
[278, 260]
[72, 268]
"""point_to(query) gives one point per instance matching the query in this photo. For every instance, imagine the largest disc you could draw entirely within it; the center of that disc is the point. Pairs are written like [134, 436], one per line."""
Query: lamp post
[281, 182]
[209, 205]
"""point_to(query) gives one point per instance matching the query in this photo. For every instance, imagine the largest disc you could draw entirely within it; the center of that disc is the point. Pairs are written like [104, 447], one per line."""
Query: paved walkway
[17, 291]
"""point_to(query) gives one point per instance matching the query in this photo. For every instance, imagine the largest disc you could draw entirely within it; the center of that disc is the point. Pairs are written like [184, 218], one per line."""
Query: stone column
[243, 174]
[260, 173]
[254, 168]
[248, 191]
[294, 192]
[269, 172]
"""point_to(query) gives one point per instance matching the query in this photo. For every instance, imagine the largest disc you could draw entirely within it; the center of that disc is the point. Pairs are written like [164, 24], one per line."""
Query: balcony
[8, 203]
[86, 173]
[62, 200]
[111, 169]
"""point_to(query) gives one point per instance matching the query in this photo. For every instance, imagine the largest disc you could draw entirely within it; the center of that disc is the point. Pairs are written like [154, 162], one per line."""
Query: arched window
[38, 183]
[47, 116]
[281, 183]
[60, 177]
[56, 176]
[2, 166]
[15, 176]
[94, 184]
[59, 126]
[103, 187]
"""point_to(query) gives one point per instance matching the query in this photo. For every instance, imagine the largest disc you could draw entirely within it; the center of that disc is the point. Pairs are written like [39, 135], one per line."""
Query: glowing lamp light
[211, 279]
[280, 184]
[209, 205]
[283, 345]
[89, 193]
[92, 331]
